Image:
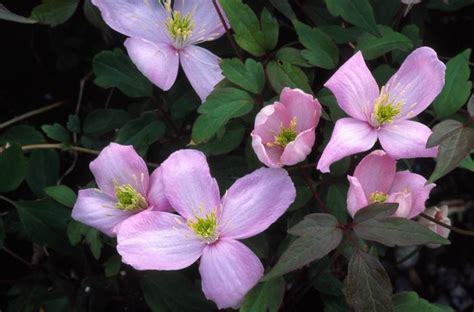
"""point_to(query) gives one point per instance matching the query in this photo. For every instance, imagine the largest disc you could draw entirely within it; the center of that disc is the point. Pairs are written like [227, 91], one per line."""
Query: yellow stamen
[385, 110]
[377, 197]
[285, 136]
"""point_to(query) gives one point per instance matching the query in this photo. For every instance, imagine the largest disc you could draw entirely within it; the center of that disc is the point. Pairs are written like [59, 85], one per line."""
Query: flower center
[129, 199]
[285, 136]
[378, 197]
[206, 227]
[179, 26]
[385, 110]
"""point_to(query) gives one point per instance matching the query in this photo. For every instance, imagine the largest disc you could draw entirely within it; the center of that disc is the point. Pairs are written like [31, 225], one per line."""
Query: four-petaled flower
[284, 131]
[384, 114]
[207, 227]
[375, 180]
[162, 36]
[125, 189]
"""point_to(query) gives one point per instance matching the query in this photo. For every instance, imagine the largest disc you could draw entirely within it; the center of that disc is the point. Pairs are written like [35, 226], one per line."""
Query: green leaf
[266, 296]
[385, 11]
[367, 286]
[159, 289]
[409, 301]
[73, 123]
[467, 163]
[141, 132]
[220, 106]
[457, 87]
[375, 211]
[341, 35]
[303, 195]
[43, 170]
[94, 240]
[321, 50]
[233, 136]
[373, 46]
[357, 12]
[249, 76]
[270, 29]
[13, 167]
[318, 235]
[45, 222]
[115, 69]
[22, 135]
[76, 231]
[54, 12]
[455, 143]
[102, 121]
[7, 15]
[62, 194]
[336, 201]
[283, 74]
[292, 56]
[57, 132]
[383, 73]
[284, 7]
[112, 266]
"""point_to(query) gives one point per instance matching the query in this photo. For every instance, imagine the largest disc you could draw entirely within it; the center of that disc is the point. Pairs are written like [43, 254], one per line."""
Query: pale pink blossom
[375, 180]
[124, 189]
[284, 131]
[440, 214]
[384, 114]
[162, 36]
[207, 227]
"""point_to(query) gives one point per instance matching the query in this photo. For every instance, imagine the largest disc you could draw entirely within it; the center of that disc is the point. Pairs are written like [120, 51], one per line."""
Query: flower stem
[452, 228]
[315, 194]
[227, 31]
[29, 114]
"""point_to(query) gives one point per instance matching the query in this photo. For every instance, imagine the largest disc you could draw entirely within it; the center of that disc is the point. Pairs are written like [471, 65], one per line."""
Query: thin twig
[227, 31]
[29, 114]
[8, 200]
[17, 257]
[452, 228]
[308, 182]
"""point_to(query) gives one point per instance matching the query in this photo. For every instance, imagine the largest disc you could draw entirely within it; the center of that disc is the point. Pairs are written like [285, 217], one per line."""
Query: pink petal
[202, 69]
[267, 155]
[155, 240]
[255, 201]
[405, 202]
[406, 181]
[135, 18]
[158, 62]
[97, 210]
[208, 25]
[120, 164]
[228, 271]
[269, 121]
[375, 172]
[356, 198]
[354, 87]
[297, 150]
[418, 82]
[350, 136]
[156, 193]
[189, 186]
[406, 139]
[304, 107]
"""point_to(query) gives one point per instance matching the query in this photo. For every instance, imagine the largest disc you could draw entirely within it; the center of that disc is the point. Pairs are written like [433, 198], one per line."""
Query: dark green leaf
[8, 15]
[233, 136]
[283, 74]
[54, 12]
[340, 34]
[57, 132]
[373, 46]
[443, 131]
[249, 76]
[383, 73]
[457, 87]
[409, 302]
[13, 167]
[303, 195]
[73, 123]
[385, 10]
[270, 30]
[94, 240]
[43, 170]
[319, 235]
[284, 7]
[102, 121]
[336, 201]
[321, 50]
[114, 69]
[112, 266]
[62, 194]
[292, 56]
[22, 134]
[357, 12]
[367, 286]
[375, 211]
[266, 296]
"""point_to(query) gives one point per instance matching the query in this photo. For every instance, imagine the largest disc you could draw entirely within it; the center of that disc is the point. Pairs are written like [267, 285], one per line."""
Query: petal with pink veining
[156, 194]
[350, 136]
[354, 87]
[404, 201]
[297, 150]
[155, 240]
[267, 155]
[304, 107]
[356, 199]
[229, 270]
[255, 201]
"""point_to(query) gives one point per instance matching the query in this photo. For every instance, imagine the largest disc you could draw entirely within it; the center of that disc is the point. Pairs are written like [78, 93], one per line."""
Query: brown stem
[29, 114]
[227, 31]
[452, 228]
[315, 194]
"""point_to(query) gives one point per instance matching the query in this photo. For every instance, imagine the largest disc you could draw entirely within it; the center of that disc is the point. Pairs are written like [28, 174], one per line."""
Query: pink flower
[125, 189]
[207, 227]
[384, 115]
[376, 180]
[161, 37]
[284, 132]
[440, 214]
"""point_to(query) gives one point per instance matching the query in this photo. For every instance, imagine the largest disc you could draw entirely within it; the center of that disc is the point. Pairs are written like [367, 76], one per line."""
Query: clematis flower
[125, 189]
[162, 36]
[440, 214]
[375, 180]
[384, 114]
[207, 227]
[284, 132]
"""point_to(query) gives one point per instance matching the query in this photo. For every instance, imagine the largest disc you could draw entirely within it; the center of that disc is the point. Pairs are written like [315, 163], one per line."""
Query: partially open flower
[125, 189]
[440, 214]
[284, 131]
[375, 180]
